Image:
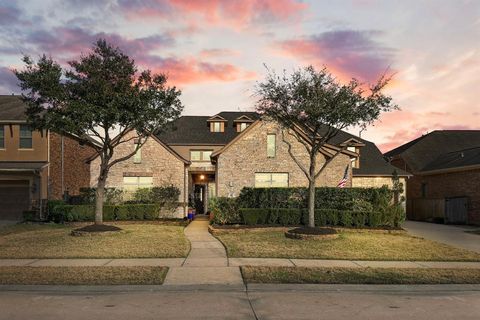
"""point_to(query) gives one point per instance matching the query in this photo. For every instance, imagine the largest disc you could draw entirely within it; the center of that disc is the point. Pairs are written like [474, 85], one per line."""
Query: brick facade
[156, 161]
[76, 172]
[237, 165]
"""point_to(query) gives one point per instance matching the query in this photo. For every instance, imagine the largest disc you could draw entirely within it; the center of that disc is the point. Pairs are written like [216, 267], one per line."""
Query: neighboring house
[446, 172]
[219, 155]
[36, 165]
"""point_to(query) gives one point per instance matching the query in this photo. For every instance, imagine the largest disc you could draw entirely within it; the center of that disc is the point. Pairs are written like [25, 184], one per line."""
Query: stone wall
[237, 165]
[76, 172]
[157, 162]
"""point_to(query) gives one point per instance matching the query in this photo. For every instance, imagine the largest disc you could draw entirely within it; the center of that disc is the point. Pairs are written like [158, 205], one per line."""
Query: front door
[199, 198]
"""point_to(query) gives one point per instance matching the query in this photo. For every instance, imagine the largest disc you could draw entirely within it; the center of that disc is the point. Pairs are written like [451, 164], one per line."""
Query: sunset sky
[215, 50]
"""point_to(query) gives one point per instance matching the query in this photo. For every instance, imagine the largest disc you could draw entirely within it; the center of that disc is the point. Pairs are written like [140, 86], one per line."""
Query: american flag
[344, 180]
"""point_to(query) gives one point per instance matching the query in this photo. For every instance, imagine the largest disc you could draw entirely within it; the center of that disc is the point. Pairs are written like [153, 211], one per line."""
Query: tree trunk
[311, 203]
[311, 191]
[99, 197]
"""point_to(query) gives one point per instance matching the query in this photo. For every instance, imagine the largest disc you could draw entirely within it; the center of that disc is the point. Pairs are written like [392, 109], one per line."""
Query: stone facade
[75, 171]
[237, 165]
[156, 161]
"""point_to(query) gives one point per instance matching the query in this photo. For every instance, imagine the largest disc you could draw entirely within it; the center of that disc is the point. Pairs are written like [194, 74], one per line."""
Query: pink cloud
[214, 53]
[347, 53]
[215, 12]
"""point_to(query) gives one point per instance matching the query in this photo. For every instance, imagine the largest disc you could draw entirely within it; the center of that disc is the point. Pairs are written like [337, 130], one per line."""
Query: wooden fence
[425, 209]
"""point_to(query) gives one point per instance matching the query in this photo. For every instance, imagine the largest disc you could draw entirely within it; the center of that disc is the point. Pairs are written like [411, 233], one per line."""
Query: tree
[101, 97]
[312, 107]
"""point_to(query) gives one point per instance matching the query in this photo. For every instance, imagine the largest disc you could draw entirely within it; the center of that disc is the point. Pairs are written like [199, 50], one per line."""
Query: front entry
[202, 187]
[199, 196]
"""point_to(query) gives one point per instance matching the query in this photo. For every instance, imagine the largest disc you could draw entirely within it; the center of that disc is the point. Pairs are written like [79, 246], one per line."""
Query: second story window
[200, 155]
[25, 137]
[242, 126]
[355, 161]
[216, 127]
[271, 145]
[137, 157]
[2, 137]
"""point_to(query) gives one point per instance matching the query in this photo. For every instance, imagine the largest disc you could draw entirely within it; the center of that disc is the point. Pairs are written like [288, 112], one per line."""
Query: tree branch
[299, 164]
[328, 161]
[139, 145]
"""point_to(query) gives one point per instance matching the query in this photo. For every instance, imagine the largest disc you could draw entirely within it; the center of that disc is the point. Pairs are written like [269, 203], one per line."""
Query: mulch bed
[305, 233]
[96, 229]
[216, 227]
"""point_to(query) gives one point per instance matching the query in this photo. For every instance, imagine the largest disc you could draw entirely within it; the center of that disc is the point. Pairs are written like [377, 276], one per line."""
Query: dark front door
[14, 199]
[199, 198]
[456, 210]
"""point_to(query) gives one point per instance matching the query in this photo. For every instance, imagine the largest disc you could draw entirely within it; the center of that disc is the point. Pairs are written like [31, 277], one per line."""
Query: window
[134, 183]
[2, 137]
[25, 137]
[137, 157]
[216, 127]
[355, 161]
[271, 145]
[271, 180]
[424, 190]
[242, 126]
[200, 155]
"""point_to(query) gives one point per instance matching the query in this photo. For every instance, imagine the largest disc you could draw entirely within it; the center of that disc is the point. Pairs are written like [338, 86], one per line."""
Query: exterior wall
[237, 165]
[75, 172]
[11, 152]
[157, 162]
[377, 182]
[449, 185]
[184, 151]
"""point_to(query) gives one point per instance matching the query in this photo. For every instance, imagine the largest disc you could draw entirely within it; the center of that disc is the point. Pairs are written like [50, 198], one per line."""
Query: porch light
[202, 177]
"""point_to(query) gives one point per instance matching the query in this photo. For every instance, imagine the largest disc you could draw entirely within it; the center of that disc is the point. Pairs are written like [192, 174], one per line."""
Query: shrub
[137, 212]
[29, 215]
[252, 216]
[289, 217]
[112, 196]
[225, 210]
[72, 213]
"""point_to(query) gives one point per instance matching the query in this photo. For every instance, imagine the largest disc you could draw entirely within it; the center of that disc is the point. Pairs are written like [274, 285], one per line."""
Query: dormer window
[242, 123]
[216, 127]
[242, 126]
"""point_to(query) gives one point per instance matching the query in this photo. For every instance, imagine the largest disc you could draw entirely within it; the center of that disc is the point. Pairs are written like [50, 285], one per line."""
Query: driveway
[448, 234]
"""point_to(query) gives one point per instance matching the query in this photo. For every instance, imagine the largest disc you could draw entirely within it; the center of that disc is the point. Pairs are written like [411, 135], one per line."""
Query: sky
[216, 51]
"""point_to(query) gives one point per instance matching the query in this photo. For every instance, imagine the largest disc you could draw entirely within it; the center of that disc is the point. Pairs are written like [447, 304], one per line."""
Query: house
[446, 172]
[219, 155]
[36, 165]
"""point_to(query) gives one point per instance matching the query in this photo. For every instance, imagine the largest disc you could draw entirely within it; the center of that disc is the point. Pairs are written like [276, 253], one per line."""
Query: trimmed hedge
[225, 210]
[325, 197]
[76, 213]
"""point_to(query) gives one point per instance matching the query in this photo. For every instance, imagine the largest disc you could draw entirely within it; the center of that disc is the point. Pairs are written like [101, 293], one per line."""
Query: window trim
[202, 158]
[214, 123]
[271, 179]
[20, 137]
[274, 145]
[2, 137]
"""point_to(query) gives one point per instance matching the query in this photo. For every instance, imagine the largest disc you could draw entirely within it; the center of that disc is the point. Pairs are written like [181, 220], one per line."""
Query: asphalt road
[259, 302]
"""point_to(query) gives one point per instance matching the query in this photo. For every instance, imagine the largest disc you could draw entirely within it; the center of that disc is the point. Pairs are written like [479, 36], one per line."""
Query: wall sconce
[202, 177]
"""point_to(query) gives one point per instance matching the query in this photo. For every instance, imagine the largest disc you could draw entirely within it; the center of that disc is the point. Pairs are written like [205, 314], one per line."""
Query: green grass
[55, 241]
[264, 243]
[359, 275]
[82, 275]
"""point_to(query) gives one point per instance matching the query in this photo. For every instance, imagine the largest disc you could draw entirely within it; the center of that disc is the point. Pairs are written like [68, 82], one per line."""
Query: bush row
[323, 217]
[325, 198]
[74, 213]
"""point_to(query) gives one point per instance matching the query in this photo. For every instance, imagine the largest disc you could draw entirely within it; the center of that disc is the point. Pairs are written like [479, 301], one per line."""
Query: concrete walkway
[207, 262]
[448, 234]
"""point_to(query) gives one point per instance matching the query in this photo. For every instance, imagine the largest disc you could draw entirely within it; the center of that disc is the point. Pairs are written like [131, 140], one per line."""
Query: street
[259, 302]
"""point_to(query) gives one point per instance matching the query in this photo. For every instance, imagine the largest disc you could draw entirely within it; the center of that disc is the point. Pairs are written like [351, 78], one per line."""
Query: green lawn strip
[264, 243]
[306, 275]
[55, 241]
[82, 275]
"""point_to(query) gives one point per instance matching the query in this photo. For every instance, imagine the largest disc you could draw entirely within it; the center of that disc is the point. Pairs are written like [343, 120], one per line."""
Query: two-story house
[36, 165]
[219, 155]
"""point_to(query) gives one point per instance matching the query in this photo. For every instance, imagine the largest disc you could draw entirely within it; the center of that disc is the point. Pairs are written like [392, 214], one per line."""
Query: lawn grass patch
[82, 275]
[36, 241]
[272, 243]
[359, 275]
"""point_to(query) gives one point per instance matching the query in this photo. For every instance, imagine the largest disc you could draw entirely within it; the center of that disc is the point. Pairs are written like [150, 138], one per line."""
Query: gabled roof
[243, 118]
[424, 152]
[195, 130]
[217, 118]
[456, 159]
[372, 162]
[12, 109]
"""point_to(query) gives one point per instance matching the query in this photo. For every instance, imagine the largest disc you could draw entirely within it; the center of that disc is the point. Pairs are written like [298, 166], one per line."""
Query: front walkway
[207, 262]
[448, 234]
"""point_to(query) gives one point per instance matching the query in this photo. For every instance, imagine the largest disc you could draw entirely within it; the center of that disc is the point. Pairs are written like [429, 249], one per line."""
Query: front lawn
[82, 275]
[350, 245]
[359, 275]
[55, 241]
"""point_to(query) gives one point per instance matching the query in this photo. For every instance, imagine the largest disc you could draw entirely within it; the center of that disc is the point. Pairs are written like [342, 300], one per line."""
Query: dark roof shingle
[12, 108]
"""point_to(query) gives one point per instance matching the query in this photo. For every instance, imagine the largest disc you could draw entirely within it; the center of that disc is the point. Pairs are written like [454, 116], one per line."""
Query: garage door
[14, 199]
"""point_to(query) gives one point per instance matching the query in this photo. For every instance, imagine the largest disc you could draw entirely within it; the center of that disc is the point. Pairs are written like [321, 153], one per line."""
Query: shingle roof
[455, 159]
[372, 162]
[190, 130]
[12, 108]
[427, 151]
